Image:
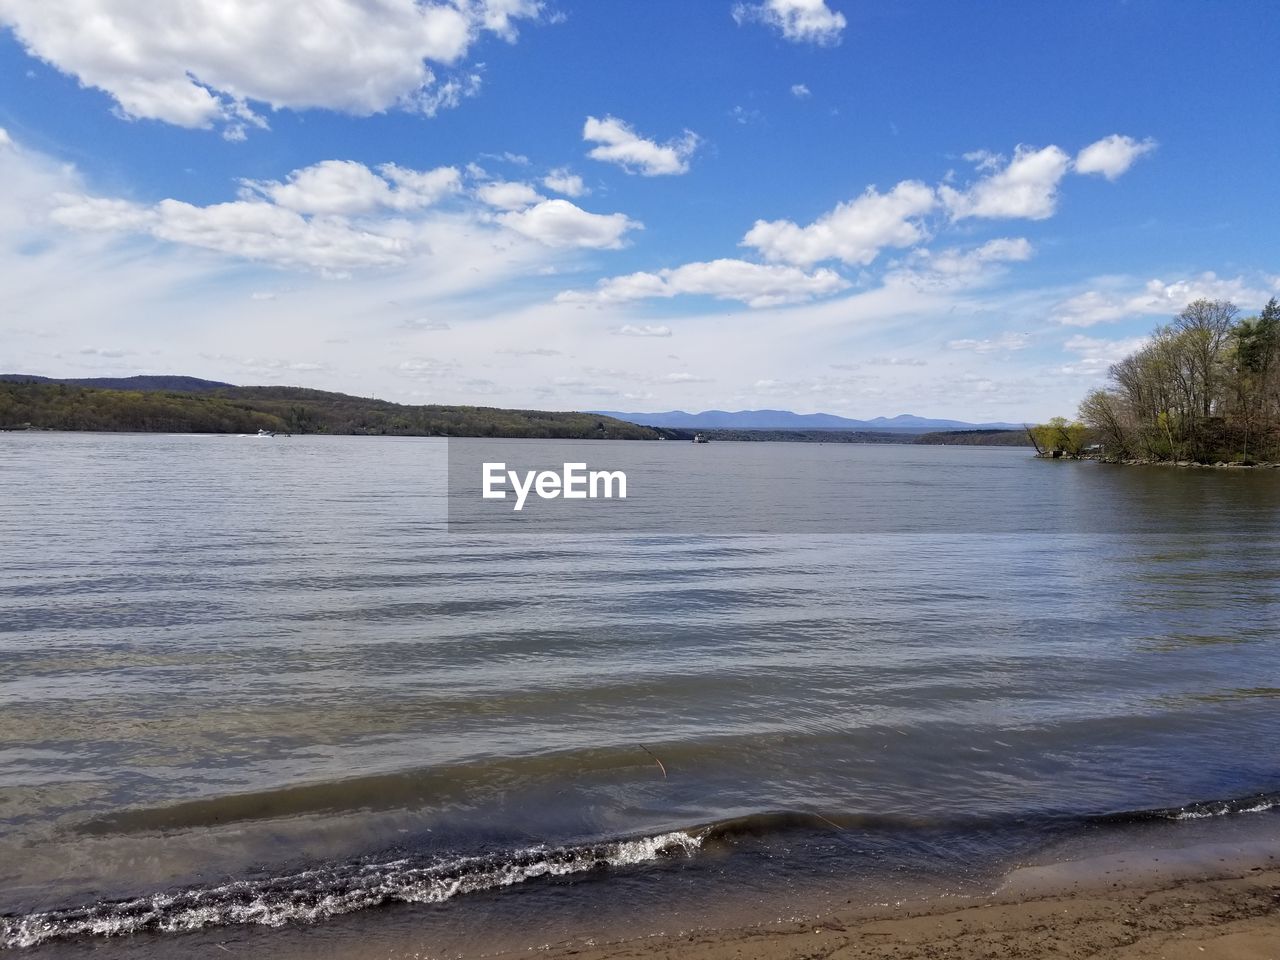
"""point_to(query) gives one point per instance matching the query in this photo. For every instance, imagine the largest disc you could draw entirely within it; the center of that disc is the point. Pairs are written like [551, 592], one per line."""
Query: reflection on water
[227, 661]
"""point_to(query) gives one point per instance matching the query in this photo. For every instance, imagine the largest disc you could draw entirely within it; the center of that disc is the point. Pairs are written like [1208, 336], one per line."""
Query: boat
[699, 438]
[265, 433]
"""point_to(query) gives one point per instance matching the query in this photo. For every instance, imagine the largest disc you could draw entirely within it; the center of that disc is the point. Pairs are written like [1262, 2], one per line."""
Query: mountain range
[671, 419]
[786, 420]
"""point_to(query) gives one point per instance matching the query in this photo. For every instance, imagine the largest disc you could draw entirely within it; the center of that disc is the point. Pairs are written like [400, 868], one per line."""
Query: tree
[1205, 387]
[1205, 326]
[1105, 412]
[1058, 437]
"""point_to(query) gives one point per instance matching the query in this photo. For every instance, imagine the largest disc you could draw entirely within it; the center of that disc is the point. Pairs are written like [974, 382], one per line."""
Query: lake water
[246, 683]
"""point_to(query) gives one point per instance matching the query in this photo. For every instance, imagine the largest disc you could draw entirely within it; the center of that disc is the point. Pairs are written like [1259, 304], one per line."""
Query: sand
[1183, 913]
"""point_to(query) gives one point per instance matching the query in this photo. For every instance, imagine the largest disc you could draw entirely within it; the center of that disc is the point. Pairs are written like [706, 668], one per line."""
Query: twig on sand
[655, 760]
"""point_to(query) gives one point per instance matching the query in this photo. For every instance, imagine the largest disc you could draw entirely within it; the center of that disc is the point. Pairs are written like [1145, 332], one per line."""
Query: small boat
[699, 438]
[265, 433]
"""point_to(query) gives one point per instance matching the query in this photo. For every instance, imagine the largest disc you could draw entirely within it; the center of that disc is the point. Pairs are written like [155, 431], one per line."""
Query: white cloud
[800, 21]
[954, 267]
[508, 195]
[300, 222]
[1112, 156]
[757, 285]
[562, 180]
[82, 212]
[1155, 298]
[5, 139]
[251, 229]
[338, 216]
[1003, 343]
[895, 362]
[507, 156]
[204, 62]
[620, 144]
[683, 378]
[985, 160]
[643, 330]
[261, 231]
[800, 91]
[854, 232]
[1025, 189]
[558, 223]
[346, 188]
[1096, 356]
[425, 325]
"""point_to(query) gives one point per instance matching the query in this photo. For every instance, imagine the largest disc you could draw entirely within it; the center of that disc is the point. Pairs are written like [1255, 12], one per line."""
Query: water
[246, 683]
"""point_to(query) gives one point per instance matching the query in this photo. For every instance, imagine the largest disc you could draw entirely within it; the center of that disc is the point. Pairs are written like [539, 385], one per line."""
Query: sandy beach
[1155, 905]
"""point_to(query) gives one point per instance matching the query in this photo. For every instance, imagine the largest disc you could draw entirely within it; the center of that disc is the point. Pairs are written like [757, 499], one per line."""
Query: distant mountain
[162, 382]
[786, 420]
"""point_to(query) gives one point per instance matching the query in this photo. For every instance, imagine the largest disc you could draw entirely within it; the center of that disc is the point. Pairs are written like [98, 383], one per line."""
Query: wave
[1254, 803]
[312, 895]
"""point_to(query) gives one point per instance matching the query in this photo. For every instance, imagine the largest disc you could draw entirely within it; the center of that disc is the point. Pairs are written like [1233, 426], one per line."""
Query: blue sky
[945, 208]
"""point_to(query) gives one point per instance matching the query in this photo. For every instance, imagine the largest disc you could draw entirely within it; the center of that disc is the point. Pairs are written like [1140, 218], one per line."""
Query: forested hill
[53, 405]
[151, 382]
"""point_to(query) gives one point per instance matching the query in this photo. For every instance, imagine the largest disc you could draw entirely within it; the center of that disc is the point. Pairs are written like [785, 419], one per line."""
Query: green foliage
[51, 406]
[1059, 437]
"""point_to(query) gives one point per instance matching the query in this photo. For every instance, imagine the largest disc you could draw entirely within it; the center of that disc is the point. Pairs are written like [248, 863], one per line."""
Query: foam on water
[312, 895]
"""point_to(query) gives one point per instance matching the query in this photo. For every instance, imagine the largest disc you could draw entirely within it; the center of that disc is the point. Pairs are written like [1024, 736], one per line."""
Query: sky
[950, 208]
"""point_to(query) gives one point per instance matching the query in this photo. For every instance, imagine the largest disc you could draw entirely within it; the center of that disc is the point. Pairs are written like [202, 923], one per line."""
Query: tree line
[1205, 388]
[57, 406]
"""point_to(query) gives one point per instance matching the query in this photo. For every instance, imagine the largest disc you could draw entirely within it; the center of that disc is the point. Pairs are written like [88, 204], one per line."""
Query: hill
[161, 382]
[975, 438]
[787, 420]
[53, 405]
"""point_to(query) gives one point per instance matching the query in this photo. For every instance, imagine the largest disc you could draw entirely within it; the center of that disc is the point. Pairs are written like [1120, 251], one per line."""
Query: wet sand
[1206, 902]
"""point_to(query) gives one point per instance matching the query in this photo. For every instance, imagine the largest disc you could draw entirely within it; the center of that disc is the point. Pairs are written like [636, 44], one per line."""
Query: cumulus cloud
[303, 221]
[1112, 156]
[508, 195]
[261, 231]
[1025, 189]
[346, 188]
[559, 223]
[564, 181]
[800, 21]
[620, 144]
[339, 216]
[756, 285]
[800, 91]
[348, 55]
[1154, 298]
[853, 233]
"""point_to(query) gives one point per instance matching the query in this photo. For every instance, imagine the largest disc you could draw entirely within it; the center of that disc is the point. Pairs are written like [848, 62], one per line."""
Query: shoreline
[1156, 904]
[1192, 464]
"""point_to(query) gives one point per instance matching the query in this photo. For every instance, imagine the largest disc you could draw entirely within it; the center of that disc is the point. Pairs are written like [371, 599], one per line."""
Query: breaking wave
[312, 895]
[328, 891]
